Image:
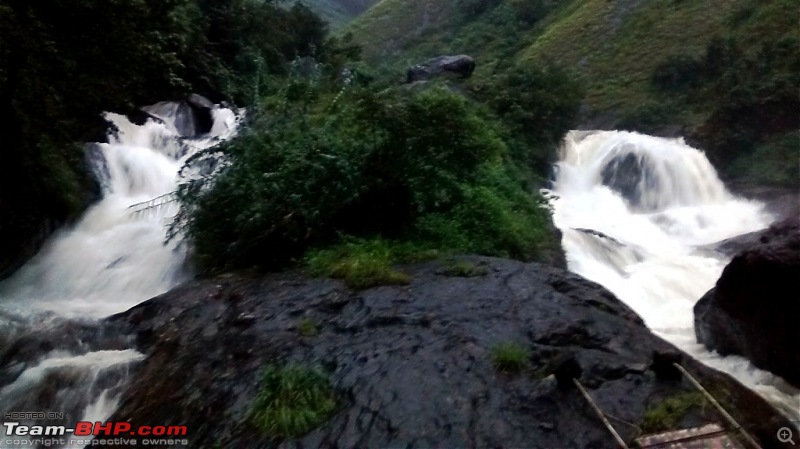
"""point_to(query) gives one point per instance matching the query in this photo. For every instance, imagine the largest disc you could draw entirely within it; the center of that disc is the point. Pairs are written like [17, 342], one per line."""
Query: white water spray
[112, 259]
[634, 211]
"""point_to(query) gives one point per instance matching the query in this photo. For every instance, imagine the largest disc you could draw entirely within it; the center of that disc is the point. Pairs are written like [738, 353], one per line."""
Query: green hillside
[723, 73]
[338, 12]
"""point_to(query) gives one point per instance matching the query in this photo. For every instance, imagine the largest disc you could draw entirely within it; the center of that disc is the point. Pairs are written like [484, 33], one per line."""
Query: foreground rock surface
[412, 364]
[753, 309]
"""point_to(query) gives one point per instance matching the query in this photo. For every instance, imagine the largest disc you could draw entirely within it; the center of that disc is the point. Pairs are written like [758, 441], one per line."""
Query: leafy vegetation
[668, 413]
[754, 109]
[395, 169]
[292, 400]
[509, 357]
[339, 12]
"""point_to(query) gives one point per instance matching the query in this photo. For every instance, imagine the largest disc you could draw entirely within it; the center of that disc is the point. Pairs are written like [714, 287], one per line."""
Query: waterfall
[56, 357]
[635, 212]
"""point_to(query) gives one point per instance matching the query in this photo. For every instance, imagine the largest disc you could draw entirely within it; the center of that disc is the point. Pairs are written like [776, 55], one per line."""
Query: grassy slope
[615, 45]
[339, 12]
[387, 29]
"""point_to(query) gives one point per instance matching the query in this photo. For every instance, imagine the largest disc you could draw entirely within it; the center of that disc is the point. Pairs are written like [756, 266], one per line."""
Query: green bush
[427, 167]
[538, 105]
[496, 217]
[292, 400]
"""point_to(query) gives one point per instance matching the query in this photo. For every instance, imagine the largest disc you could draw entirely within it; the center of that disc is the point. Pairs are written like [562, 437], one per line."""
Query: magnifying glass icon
[785, 435]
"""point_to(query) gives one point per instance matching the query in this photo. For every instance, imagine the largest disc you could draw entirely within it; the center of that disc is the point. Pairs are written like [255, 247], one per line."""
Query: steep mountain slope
[339, 12]
[723, 73]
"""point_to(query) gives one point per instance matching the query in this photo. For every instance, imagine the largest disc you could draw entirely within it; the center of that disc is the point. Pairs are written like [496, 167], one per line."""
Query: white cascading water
[114, 258]
[644, 239]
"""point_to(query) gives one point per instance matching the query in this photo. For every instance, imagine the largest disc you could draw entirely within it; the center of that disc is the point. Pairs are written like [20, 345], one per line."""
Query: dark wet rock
[202, 107]
[629, 175]
[456, 65]
[411, 364]
[753, 309]
[199, 102]
[192, 117]
[599, 234]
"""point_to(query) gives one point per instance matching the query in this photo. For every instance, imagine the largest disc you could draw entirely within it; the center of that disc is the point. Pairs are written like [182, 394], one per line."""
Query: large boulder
[632, 177]
[754, 308]
[412, 365]
[458, 65]
[191, 117]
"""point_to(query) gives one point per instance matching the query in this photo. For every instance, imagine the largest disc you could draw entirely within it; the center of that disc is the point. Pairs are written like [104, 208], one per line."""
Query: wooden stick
[719, 407]
[600, 414]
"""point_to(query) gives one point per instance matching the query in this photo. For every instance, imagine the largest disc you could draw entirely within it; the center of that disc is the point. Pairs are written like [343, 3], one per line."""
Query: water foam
[650, 203]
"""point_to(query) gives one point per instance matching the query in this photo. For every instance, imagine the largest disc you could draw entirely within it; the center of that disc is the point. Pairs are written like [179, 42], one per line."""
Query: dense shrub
[429, 167]
[537, 104]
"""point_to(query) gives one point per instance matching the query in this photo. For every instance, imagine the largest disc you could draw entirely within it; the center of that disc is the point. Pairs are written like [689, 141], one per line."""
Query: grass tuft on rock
[308, 328]
[668, 413]
[361, 264]
[464, 269]
[292, 401]
[509, 357]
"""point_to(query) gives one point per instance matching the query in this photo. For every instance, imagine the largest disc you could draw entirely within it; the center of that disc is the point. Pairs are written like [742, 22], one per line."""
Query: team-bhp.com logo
[91, 430]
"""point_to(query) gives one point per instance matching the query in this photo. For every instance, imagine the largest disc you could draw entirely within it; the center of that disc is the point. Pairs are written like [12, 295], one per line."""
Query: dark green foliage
[678, 73]
[538, 104]
[63, 63]
[647, 117]
[292, 400]
[496, 217]
[426, 167]
[752, 99]
[474, 8]
[532, 11]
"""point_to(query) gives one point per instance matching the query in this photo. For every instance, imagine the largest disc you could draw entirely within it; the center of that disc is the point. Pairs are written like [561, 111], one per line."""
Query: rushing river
[638, 213]
[112, 259]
